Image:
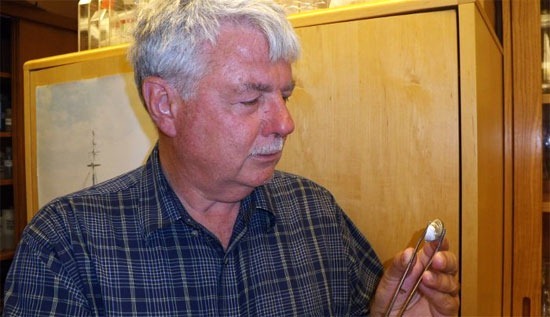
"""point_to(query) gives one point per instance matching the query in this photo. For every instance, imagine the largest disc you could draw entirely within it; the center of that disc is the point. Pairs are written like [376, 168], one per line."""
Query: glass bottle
[8, 229]
[86, 9]
[7, 120]
[8, 164]
[545, 32]
[546, 289]
[99, 25]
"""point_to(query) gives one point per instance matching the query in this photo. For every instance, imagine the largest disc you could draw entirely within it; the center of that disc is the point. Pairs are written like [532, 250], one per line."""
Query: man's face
[231, 133]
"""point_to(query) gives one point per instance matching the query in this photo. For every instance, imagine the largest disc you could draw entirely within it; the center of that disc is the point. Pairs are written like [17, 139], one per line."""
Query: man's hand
[437, 294]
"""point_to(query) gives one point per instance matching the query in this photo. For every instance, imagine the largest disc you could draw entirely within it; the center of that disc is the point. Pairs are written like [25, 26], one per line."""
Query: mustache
[271, 148]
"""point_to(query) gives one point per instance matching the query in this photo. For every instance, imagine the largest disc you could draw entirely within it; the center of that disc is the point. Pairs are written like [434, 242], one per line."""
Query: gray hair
[170, 35]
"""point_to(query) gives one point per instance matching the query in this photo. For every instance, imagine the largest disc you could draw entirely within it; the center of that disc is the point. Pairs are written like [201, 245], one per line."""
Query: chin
[264, 177]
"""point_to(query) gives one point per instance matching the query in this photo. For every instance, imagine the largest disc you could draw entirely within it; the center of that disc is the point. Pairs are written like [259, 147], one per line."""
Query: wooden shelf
[546, 199]
[5, 134]
[6, 181]
[5, 75]
[546, 196]
[6, 255]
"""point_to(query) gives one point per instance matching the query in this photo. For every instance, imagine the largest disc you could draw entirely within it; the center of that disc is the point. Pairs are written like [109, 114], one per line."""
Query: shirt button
[226, 261]
[195, 233]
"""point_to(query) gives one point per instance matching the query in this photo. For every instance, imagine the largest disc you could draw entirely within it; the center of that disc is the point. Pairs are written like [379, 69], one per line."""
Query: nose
[279, 118]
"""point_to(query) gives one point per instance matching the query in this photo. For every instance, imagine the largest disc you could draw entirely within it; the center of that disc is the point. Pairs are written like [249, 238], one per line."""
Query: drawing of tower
[93, 163]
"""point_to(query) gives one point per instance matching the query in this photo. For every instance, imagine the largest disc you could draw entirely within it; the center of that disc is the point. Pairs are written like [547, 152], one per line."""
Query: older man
[208, 227]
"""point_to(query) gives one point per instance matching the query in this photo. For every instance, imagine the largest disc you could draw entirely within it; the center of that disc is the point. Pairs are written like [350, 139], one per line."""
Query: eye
[251, 102]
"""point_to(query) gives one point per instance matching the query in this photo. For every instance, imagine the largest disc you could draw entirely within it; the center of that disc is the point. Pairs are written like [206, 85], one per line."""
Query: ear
[159, 99]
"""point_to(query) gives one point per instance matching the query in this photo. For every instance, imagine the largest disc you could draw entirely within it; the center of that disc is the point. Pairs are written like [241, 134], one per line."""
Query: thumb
[399, 265]
[390, 281]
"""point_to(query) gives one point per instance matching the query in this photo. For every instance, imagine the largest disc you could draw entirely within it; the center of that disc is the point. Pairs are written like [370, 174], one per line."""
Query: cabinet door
[376, 111]
[482, 165]
[527, 100]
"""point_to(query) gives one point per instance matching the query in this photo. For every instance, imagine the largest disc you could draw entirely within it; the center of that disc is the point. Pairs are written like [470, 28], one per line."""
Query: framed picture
[84, 123]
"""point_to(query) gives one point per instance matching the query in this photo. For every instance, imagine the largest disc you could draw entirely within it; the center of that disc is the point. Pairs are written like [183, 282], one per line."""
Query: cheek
[218, 137]
[240, 136]
[219, 128]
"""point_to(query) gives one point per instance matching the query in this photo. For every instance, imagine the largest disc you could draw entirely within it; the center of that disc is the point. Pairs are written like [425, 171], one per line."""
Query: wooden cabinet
[26, 42]
[531, 239]
[545, 226]
[27, 31]
[399, 111]
[7, 201]
[26, 34]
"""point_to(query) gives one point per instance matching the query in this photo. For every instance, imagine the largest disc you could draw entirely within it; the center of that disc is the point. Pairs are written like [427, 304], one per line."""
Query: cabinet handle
[526, 307]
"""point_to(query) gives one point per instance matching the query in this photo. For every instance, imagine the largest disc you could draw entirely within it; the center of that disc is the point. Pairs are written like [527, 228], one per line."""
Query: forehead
[239, 63]
[239, 41]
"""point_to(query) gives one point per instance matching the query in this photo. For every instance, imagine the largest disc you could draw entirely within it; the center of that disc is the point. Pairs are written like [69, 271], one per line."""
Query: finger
[442, 292]
[390, 281]
[429, 248]
[399, 264]
[442, 283]
[401, 268]
[445, 262]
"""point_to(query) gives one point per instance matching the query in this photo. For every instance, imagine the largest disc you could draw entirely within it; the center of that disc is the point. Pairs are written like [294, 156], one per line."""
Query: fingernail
[407, 256]
[428, 276]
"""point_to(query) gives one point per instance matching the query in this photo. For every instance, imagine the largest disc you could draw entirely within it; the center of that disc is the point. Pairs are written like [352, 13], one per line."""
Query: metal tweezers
[440, 236]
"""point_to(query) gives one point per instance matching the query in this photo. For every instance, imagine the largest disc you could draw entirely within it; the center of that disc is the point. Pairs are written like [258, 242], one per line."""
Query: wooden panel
[24, 11]
[58, 69]
[367, 9]
[482, 130]
[32, 44]
[508, 149]
[376, 111]
[527, 100]
[29, 44]
[489, 7]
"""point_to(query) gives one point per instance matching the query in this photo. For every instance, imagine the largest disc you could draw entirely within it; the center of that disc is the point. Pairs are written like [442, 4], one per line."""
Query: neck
[216, 214]
[218, 218]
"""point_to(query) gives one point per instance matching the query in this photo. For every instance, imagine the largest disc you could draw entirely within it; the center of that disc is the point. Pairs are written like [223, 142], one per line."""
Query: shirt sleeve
[42, 278]
[365, 269]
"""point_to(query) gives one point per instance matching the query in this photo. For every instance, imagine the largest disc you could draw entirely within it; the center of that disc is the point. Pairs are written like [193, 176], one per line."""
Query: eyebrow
[267, 88]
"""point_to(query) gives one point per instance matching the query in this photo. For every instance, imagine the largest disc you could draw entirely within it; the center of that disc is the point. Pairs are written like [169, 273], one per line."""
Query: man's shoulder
[282, 178]
[93, 197]
[291, 186]
[84, 208]
[114, 186]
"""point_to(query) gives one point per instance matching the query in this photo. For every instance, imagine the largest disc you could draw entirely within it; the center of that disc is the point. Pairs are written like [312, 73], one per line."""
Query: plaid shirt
[127, 247]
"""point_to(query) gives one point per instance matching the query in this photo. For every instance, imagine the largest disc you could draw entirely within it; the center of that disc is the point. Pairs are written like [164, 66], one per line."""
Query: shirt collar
[160, 206]
[260, 202]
